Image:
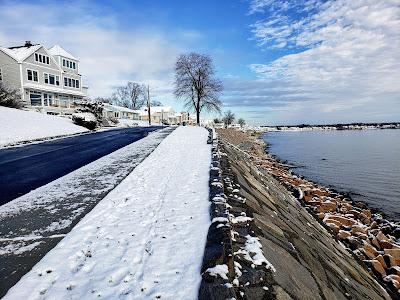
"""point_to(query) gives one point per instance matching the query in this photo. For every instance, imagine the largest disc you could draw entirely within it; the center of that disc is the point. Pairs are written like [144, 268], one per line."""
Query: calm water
[365, 163]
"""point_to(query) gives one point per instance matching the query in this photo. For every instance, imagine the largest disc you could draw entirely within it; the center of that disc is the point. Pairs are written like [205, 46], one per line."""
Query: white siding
[10, 71]
[31, 59]
[69, 70]
[31, 64]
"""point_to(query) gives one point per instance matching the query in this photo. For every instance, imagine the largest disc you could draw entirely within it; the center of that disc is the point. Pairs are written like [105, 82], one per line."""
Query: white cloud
[346, 58]
[109, 55]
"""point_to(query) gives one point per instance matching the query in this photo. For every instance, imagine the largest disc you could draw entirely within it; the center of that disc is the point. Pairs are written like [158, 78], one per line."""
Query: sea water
[365, 163]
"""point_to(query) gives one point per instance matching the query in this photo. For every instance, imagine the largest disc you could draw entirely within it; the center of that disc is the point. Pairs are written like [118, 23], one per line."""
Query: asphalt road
[23, 169]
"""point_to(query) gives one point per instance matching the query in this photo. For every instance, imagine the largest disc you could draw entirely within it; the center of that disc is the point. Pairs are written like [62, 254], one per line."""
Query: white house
[120, 112]
[166, 115]
[159, 114]
[49, 79]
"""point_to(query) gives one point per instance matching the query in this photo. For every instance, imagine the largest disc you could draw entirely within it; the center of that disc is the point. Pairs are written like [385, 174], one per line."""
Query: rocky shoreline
[365, 234]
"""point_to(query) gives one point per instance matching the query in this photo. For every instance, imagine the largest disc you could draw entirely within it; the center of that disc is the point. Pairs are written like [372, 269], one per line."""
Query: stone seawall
[299, 259]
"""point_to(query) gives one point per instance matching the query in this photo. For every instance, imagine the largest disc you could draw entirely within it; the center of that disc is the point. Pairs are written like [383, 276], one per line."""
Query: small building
[120, 112]
[48, 79]
[159, 115]
[167, 115]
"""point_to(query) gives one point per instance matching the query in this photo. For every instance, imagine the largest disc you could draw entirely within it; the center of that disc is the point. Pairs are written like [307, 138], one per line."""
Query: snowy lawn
[19, 126]
[144, 240]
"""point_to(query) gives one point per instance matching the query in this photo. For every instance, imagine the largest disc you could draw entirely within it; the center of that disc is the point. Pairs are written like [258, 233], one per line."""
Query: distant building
[119, 112]
[49, 79]
[166, 115]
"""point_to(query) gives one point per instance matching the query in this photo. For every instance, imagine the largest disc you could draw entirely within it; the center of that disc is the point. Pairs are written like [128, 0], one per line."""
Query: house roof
[20, 53]
[58, 50]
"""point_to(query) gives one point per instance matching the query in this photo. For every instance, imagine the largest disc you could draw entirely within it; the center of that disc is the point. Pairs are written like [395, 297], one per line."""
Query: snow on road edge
[144, 240]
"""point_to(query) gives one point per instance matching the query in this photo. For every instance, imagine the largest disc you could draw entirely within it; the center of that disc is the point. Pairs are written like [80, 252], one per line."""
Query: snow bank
[20, 126]
[88, 117]
[145, 240]
[135, 123]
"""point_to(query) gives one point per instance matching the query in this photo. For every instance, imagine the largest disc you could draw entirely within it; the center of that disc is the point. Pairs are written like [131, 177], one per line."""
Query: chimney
[28, 44]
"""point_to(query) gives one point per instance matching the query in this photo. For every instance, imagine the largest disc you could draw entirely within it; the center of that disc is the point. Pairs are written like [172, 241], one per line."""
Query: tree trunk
[198, 108]
[148, 104]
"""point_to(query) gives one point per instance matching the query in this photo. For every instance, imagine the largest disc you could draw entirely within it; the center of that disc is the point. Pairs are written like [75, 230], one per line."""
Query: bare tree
[131, 95]
[136, 92]
[9, 97]
[229, 118]
[120, 96]
[196, 84]
[241, 122]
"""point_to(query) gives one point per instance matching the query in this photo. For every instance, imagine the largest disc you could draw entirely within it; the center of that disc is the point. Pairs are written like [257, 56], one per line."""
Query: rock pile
[371, 238]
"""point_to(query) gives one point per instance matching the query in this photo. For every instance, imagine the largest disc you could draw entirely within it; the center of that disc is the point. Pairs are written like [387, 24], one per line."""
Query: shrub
[86, 119]
[114, 120]
[9, 97]
[89, 114]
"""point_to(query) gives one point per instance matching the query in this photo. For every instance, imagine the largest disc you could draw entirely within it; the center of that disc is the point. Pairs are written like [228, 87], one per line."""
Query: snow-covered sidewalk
[145, 240]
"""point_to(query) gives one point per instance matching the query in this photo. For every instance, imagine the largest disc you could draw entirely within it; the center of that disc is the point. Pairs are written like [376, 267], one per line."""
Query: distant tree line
[228, 119]
[338, 126]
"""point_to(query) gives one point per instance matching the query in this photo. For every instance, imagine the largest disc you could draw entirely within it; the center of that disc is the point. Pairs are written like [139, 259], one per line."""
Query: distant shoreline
[349, 126]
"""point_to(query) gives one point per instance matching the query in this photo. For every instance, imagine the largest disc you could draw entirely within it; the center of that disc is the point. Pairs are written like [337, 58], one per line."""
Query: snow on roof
[58, 50]
[20, 53]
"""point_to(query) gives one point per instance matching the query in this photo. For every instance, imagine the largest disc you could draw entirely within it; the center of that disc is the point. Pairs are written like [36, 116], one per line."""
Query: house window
[69, 64]
[70, 82]
[42, 58]
[35, 98]
[51, 79]
[32, 75]
[48, 99]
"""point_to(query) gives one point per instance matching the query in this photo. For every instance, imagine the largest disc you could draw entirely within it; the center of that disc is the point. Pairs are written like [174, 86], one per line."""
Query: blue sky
[281, 62]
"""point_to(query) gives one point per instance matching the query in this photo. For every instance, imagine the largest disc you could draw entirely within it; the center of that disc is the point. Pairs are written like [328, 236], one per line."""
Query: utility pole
[148, 104]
